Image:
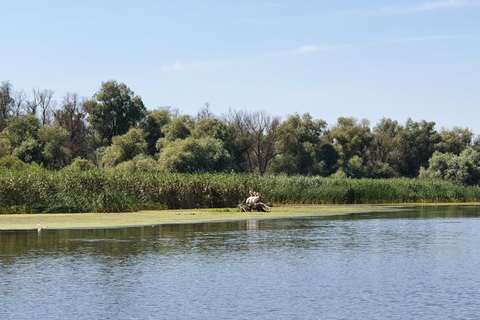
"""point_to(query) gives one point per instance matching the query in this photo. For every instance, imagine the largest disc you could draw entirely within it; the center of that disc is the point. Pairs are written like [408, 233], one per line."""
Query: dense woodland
[114, 129]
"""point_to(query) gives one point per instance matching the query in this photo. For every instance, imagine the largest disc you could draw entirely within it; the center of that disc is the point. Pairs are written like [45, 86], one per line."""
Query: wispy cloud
[421, 7]
[178, 67]
[419, 39]
[446, 4]
[211, 65]
[313, 48]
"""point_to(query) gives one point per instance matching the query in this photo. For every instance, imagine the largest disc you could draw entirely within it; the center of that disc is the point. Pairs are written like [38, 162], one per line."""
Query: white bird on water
[39, 226]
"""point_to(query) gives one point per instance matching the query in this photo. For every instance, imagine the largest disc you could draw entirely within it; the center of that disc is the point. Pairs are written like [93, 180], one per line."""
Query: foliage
[454, 141]
[12, 162]
[21, 135]
[463, 168]
[417, 146]
[125, 148]
[113, 110]
[351, 138]
[72, 117]
[101, 190]
[114, 130]
[300, 145]
[141, 163]
[194, 155]
[80, 165]
[152, 127]
[6, 103]
[52, 140]
[178, 128]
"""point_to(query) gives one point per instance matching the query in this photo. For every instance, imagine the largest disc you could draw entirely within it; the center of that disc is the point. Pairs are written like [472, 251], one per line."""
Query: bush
[12, 162]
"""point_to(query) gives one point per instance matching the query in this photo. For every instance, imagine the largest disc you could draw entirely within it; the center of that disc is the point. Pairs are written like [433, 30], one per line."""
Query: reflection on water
[417, 263]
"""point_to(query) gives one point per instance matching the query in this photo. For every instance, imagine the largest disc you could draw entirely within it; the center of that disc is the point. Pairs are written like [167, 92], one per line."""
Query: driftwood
[258, 206]
[253, 204]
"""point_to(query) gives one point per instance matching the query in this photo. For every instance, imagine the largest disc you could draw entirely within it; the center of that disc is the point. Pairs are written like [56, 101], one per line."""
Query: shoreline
[185, 216]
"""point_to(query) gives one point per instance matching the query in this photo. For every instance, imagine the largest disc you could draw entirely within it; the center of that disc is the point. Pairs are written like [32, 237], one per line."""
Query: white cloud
[437, 5]
[211, 65]
[422, 7]
[179, 67]
[419, 39]
[312, 48]
[174, 67]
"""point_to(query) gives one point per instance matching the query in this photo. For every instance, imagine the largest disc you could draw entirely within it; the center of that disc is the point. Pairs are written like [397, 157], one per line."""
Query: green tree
[351, 138]
[6, 103]
[385, 152]
[80, 164]
[217, 129]
[52, 140]
[179, 128]
[21, 136]
[194, 155]
[355, 168]
[152, 126]
[113, 110]
[418, 142]
[210, 127]
[12, 162]
[463, 168]
[300, 147]
[125, 147]
[454, 141]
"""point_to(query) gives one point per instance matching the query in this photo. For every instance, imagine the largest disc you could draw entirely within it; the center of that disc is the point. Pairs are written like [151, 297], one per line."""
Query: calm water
[416, 264]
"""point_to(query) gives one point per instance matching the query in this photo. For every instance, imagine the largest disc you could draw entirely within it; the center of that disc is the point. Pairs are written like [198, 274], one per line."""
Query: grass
[97, 191]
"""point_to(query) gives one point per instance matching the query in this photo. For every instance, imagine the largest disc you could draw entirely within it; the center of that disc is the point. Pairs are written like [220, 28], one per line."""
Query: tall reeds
[99, 190]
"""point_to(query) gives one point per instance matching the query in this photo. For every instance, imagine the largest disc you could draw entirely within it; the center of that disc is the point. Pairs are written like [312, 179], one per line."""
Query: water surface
[416, 264]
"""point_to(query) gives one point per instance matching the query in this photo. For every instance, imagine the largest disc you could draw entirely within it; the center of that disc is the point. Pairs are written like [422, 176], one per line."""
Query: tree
[385, 152]
[463, 168]
[300, 145]
[125, 147]
[237, 121]
[351, 138]
[113, 110]
[179, 128]
[19, 103]
[192, 155]
[6, 103]
[21, 135]
[418, 142]
[52, 141]
[205, 112]
[41, 104]
[152, 126]
[71, 117]
[454, 141]
[256, 136]
[46, 106]
[210, 127]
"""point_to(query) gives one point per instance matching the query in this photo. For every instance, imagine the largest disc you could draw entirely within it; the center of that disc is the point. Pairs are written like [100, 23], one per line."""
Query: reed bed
[100, 190]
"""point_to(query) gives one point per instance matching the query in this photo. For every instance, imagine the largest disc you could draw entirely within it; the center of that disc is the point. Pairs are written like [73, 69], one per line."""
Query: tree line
[114, 129]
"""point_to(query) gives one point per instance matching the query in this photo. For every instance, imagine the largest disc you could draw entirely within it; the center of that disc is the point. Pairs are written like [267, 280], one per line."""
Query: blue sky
[364, 59]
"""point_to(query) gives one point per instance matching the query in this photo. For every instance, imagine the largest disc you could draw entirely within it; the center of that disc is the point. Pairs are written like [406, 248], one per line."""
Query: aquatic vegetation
[108, 190]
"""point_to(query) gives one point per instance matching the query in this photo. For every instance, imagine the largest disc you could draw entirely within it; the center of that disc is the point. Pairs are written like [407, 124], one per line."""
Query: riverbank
[154, 217]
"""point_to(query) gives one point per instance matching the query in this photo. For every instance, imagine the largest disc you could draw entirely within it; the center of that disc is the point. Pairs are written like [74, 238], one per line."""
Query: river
[420, 263]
